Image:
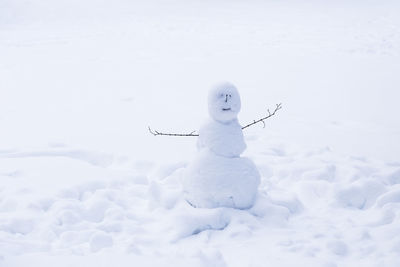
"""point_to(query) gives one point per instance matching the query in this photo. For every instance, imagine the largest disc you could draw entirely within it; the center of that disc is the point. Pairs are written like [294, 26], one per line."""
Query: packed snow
[83, 183]
[218, 176]
[224, 103]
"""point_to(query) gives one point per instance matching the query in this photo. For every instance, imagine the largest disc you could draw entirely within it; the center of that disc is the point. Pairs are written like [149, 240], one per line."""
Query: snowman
[218, 175]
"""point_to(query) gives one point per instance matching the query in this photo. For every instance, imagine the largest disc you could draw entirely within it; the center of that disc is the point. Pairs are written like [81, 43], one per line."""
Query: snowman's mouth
[226, 109]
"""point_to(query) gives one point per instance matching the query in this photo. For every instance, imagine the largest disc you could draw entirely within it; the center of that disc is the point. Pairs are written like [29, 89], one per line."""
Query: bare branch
[278, 107]
[155, 133]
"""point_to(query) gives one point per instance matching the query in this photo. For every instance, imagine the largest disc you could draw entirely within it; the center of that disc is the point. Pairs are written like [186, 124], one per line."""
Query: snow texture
[83, 183]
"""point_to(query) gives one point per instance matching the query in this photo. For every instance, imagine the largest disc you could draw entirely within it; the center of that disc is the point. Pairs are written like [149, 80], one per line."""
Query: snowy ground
[82, 182]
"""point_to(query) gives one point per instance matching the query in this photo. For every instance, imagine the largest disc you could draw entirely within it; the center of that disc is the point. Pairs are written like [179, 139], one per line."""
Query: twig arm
[155, 133]
[278, 107]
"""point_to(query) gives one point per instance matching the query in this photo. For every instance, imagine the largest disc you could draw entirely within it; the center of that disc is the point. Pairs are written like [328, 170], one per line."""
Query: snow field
[82, 183]
[313, 207]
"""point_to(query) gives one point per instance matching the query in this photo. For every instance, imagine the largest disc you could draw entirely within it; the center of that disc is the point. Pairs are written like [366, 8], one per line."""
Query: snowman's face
[224, 103]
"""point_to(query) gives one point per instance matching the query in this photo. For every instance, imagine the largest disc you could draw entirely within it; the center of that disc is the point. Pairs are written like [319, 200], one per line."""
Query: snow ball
[224, 102]
[212, 181]
[225, 140]
[100, 241]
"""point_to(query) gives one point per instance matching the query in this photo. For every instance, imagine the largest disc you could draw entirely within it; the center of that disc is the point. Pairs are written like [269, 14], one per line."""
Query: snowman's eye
[230, 95]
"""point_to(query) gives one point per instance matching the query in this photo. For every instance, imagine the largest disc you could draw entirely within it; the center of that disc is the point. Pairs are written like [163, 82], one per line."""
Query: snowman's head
[224, 102]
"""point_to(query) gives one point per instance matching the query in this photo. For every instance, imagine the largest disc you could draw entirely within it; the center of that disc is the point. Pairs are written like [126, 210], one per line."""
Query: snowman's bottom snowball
[211, 181]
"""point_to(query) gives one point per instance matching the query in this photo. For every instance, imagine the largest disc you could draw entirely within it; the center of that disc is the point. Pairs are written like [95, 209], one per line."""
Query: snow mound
[297, 213]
